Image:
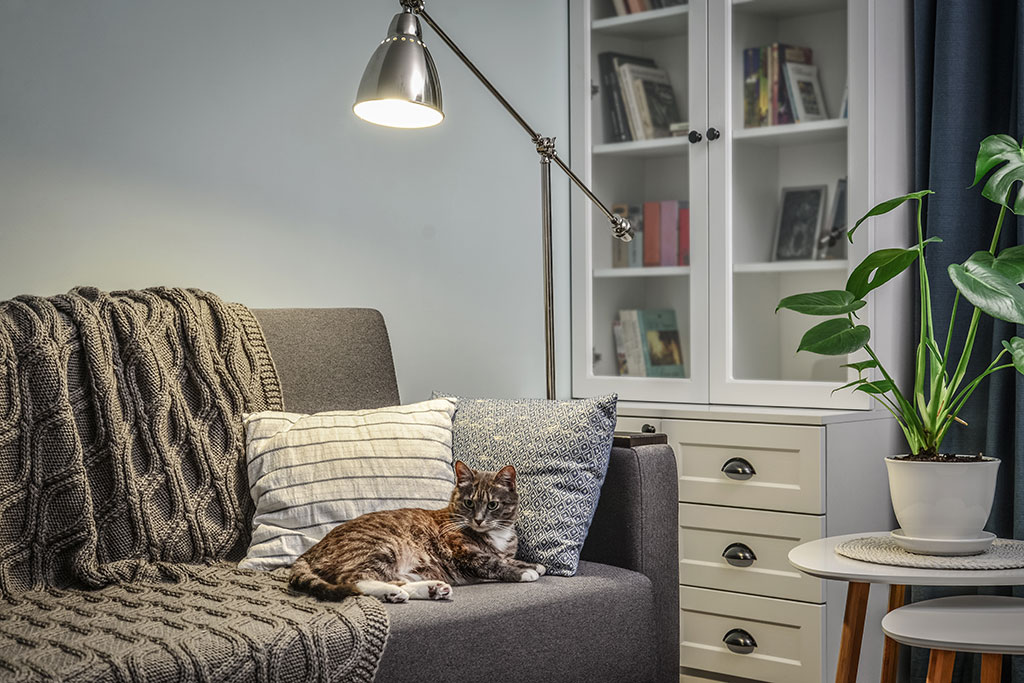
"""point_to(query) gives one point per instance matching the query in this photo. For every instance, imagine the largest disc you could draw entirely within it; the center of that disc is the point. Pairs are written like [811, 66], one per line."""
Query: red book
[684, 233]
[652, 233]
[669, 233]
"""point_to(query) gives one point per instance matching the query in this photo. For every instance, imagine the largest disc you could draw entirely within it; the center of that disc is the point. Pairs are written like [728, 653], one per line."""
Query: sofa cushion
[591, 627]
[560, 450]
[309, 473]
[218, 623]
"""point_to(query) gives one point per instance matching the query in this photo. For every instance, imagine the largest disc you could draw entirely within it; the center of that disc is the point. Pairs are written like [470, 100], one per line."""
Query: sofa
[615, 620]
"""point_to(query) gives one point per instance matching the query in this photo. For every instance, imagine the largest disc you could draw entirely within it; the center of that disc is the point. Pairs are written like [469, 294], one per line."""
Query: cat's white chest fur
[500, 538]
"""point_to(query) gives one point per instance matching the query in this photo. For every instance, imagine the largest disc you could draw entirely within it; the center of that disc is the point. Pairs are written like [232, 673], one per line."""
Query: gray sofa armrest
[636, 527]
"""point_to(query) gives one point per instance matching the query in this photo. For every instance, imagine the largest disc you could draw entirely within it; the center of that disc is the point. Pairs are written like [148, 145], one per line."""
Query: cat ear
[507, 477]
[463, 475]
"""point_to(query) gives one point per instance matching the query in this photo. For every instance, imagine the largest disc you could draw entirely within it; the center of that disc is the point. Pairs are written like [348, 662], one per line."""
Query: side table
[819, 558]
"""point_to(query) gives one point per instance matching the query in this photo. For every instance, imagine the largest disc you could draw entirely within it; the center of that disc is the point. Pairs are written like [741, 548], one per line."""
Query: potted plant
[941, 498]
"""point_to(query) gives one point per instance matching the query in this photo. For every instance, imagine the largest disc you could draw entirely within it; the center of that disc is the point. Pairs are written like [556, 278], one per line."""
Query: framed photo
[805, 92]
[800, 216]
[832, 240]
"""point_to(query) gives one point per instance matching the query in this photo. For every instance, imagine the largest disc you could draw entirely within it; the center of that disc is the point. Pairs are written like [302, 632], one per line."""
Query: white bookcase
[816, 455]
[736, 349]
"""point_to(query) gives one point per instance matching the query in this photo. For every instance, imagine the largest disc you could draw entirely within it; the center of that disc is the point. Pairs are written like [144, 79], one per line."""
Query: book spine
[620, 7]
[773, 78]
[750, 87]
[636, 245]
[620, 249]
[764, 93]
[609, 95]
[621, 360]
[652, 233]
[684, 233]
[644, 111]
[629, 103]
[670, 233]
[633, 343]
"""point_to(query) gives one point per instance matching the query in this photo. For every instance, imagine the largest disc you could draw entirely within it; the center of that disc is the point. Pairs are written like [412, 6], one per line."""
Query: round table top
[819, 558]
[975, 623]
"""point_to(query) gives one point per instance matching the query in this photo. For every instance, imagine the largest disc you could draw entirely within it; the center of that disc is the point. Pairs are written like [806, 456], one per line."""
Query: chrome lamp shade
[400, 87]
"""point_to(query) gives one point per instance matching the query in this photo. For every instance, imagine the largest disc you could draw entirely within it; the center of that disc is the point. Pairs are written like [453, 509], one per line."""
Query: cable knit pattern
[121, 463]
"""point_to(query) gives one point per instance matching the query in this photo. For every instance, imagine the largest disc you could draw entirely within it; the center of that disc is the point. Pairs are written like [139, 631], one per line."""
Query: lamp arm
[545, 146]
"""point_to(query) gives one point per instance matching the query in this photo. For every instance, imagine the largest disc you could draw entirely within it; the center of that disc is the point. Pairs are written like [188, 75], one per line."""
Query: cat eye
[493, 505]
[468, 503]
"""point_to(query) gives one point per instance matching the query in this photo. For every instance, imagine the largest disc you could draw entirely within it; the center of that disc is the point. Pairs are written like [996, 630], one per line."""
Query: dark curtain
[967, 80]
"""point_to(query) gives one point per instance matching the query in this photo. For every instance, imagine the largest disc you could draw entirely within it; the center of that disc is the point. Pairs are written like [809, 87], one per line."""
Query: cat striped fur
[416, 554]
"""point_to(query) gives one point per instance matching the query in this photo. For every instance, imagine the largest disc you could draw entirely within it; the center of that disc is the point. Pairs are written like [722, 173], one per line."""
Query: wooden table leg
[891, 650]
[940, 666]
[853, 632]
[991, 668]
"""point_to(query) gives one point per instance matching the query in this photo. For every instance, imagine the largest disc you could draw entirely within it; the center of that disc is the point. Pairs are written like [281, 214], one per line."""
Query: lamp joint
[412, 5]
[621, 228]
[545, 148]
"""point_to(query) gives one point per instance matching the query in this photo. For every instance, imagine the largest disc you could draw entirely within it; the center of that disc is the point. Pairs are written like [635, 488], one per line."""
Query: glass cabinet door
[643, 333]
[778, 83]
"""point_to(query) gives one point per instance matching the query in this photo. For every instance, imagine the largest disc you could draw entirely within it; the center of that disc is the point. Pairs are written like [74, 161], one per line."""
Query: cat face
[485, 501]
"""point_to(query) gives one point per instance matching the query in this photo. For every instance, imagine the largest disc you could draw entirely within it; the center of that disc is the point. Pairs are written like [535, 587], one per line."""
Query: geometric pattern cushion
[560, 450]
[310, 473]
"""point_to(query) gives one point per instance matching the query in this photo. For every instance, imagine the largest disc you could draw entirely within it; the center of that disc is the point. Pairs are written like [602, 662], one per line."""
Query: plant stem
[961, 400]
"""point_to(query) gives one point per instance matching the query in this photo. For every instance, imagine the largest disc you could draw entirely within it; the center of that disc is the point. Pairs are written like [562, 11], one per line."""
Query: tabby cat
[415, 554]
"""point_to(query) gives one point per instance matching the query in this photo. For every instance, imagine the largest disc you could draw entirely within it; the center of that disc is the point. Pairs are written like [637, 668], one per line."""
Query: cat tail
[304, 579]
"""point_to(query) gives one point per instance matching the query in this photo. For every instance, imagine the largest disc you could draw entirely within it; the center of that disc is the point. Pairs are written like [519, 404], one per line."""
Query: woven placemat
[1002, 554]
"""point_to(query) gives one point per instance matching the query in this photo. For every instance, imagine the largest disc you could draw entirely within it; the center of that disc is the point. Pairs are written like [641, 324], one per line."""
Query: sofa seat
[575, 625]
[219, 623]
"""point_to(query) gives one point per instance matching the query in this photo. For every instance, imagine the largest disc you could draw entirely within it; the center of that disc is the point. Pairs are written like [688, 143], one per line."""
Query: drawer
[636, 424]
[706, 531]
[787, 634]
[787, 464]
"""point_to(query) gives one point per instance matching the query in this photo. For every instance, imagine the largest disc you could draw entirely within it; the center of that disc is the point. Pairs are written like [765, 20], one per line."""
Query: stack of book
[639, 102]
[632, 6]
[661, 235]
[647, 343]
[780, 86]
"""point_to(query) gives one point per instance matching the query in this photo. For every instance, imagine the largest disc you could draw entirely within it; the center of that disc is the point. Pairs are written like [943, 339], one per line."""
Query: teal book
[662, 346]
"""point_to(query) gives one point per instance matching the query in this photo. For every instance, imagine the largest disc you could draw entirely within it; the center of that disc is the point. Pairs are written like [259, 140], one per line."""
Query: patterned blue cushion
[560, 450]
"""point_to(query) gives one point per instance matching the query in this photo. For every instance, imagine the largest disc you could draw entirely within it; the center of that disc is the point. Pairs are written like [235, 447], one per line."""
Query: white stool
[987, 624]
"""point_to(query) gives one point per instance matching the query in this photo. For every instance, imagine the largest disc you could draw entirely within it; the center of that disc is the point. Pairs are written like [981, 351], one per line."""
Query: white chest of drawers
[753, 484]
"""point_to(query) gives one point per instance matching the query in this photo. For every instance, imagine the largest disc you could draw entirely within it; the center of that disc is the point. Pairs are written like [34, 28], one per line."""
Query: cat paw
[396, 595]
[541, 569]
[529, 575]
[439, 590]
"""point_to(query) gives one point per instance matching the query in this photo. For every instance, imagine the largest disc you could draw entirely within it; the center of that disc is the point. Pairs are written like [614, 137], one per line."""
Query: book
[620, 249]
[670, 233]
[636, 245]
[637, 5]
[621, 362]
[782, 107]
[652, 233]
[805, 92]
[620, 7]
[616, 126]
[684, 233]
[750, 87]
[632, 342]
[662, 348]
[764, 94]
[656, 101]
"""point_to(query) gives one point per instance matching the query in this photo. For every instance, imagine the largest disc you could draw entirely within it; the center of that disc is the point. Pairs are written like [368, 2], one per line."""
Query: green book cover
[663, 348]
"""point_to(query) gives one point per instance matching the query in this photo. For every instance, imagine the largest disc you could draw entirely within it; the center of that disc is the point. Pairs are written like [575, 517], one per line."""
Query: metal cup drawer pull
[739, 469]
[739, 641]
[739, 555]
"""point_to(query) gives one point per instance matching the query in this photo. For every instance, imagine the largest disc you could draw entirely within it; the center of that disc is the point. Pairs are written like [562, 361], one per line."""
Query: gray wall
[211, 144]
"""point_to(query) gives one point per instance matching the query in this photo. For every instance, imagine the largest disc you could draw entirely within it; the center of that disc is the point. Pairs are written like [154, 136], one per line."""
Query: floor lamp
[400, 88]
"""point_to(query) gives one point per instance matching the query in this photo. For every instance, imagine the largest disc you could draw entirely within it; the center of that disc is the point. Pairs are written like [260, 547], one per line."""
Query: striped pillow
[309, 473]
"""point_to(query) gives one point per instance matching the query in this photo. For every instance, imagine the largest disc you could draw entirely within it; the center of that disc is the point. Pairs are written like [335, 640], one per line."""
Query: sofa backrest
[331, 358]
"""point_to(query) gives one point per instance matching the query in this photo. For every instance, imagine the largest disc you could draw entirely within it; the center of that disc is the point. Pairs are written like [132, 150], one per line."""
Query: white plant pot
[942, 500]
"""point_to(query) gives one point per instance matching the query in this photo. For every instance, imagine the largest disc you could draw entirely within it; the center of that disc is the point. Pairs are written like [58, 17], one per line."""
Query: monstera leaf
[1016, 348]
[988, 289]
[832, 302]
[835, 338]
[885, 207]
[996, 150]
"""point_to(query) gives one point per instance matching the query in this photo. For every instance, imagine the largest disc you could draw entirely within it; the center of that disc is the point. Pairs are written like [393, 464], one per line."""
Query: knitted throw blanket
[121, 464]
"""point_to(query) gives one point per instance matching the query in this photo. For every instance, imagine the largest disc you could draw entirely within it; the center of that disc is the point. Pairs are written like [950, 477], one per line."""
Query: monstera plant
[989, 281]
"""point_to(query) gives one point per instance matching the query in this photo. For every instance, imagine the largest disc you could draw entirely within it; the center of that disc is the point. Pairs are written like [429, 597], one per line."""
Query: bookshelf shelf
[657, 23]
[790, 266]
[644, 149]
[785, 8]
[651, 271]
[794, 133]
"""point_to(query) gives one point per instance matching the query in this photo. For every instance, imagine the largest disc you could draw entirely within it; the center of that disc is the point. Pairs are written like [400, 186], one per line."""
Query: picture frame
[832, 242]
[799, 223]
[805, 92]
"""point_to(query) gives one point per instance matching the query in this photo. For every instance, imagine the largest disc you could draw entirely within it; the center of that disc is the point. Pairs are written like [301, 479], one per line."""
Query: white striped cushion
[309, 473]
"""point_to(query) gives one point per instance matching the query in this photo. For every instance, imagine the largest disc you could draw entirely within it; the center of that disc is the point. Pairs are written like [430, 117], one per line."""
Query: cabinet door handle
[648, 429]
[713, 134]
[739, 469]
[739, 641]
[739, 555]
[694, 137]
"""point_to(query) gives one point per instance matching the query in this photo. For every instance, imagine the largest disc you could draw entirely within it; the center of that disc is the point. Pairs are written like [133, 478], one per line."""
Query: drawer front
[788, 636]
[707, 531]
[785, 464]
[636, 424]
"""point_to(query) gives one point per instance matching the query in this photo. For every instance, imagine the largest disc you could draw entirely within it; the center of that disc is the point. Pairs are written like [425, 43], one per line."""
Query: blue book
[662, 346]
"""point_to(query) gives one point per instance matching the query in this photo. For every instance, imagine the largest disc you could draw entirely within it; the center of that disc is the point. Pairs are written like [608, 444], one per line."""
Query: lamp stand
[546, 149]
